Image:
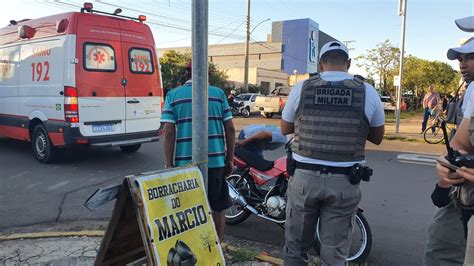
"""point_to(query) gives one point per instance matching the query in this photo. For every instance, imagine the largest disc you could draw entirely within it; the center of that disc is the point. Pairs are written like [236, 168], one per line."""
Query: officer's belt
[324, 169]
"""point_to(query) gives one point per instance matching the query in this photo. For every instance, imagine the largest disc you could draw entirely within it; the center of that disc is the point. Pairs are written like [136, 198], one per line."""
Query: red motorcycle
[258, 187]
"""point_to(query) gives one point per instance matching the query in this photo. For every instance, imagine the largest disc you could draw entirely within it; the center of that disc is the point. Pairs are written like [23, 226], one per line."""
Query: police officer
[332, 115]
[464, 141]
[446, 244]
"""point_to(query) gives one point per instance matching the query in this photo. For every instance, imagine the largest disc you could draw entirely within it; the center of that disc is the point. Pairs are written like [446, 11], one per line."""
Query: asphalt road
[396, 201]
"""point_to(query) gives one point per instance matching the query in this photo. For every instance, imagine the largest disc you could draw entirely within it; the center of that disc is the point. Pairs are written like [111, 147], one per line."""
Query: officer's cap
[466, 24]
[466, 48]
[331, 46]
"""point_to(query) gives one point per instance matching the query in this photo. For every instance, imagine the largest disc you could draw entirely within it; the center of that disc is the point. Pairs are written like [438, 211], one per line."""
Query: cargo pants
[334, 200]
[446, 244]
[469, 259]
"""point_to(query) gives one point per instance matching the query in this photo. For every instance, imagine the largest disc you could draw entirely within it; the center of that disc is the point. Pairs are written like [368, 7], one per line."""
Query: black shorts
[218, 192]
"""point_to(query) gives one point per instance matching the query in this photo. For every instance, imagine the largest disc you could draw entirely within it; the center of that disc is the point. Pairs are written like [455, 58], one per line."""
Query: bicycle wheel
[433, 135]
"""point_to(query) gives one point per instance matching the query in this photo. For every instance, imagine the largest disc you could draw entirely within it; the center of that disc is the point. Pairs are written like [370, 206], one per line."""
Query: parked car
[273, 103]
[246, 102]
[387, 103]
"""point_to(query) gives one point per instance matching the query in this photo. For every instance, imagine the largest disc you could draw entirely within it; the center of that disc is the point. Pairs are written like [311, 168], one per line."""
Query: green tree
[379, 63]
[418, 74]
[173, 64]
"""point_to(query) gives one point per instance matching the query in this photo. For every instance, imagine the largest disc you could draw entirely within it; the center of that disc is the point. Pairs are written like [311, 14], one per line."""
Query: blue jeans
[251, 147]
[426, 115]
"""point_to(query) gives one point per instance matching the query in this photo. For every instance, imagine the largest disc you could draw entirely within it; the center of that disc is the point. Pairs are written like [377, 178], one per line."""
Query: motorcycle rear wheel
[236, 213]
[361, 240]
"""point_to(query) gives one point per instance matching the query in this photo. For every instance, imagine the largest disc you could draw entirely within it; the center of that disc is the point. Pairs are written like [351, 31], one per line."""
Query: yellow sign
[179, 218]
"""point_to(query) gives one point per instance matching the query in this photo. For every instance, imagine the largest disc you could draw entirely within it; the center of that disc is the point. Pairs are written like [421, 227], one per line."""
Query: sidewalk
[60, 249]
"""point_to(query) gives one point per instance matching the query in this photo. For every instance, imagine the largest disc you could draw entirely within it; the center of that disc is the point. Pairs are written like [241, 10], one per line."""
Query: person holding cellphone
[446, 244]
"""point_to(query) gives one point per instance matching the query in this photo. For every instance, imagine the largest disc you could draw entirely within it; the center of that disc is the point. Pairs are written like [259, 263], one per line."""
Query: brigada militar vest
[330, 121]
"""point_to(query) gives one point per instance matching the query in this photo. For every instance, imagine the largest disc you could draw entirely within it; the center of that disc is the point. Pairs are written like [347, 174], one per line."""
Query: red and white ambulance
[86, 77]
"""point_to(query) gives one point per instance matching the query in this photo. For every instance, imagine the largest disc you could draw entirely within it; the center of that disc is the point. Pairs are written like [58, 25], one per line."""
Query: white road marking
[20, 174]
[417, 158]
[60, 184]
[422, 163]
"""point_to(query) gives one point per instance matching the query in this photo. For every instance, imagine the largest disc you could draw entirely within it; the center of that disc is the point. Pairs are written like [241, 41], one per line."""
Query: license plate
[103, 128]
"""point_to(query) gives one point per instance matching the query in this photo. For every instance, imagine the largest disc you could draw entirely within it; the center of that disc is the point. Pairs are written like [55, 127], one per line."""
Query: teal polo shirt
[178, 110]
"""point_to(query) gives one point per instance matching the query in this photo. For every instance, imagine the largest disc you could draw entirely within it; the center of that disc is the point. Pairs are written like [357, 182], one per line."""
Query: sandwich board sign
[165, 216]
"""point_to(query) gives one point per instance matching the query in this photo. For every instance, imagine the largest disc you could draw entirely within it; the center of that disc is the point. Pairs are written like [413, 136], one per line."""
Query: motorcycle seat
[253, 159]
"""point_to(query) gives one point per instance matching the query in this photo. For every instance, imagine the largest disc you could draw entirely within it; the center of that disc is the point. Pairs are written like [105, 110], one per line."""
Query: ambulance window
[99, 57]
[141, 61]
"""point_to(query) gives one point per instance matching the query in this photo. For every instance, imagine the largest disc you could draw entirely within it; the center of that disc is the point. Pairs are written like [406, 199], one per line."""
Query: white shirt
[468, 103]
[373, 111]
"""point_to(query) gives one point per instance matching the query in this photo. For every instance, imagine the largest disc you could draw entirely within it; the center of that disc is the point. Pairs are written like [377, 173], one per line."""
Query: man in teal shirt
[177, 123]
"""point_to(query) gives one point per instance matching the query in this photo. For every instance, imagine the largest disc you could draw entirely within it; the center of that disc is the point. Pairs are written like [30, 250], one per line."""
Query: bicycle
[434, 133]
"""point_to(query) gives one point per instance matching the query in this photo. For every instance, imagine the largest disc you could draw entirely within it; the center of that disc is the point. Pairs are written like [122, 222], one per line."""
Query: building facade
[290, 50]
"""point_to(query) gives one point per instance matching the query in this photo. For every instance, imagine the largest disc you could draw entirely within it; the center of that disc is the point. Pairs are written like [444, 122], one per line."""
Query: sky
[430, 28]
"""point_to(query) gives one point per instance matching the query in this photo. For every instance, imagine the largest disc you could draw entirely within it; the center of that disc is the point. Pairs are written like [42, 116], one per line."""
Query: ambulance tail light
[71, 107]
[280, 103]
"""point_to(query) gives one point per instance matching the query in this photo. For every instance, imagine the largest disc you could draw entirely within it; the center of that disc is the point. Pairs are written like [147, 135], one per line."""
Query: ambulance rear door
[100, 81]
[142, 90]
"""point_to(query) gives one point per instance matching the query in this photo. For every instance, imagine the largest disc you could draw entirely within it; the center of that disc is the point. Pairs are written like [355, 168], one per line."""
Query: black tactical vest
[330, 121]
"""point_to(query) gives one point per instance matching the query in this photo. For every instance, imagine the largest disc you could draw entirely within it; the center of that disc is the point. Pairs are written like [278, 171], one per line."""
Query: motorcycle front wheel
[236, 213]
[361, 240]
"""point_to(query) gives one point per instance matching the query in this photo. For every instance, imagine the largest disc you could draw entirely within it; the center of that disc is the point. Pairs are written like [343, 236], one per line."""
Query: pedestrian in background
[430, 102]
[326, 150]
[446, 244]
[177, 122]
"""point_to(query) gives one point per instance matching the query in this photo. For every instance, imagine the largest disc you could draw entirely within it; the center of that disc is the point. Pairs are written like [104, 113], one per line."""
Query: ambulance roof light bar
[88, 7]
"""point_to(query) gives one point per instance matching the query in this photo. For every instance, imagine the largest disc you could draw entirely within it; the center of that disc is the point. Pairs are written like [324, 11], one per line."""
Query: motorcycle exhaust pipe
[236, 197]
[239, 199]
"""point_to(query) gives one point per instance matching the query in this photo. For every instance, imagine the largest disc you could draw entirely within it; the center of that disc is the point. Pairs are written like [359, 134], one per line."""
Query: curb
[88, 233]
[263, 256]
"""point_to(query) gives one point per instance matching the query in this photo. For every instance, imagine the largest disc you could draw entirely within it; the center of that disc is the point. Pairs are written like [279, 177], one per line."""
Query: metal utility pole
[402, 11]
[347, 44]
[200, 84]
[247, 40]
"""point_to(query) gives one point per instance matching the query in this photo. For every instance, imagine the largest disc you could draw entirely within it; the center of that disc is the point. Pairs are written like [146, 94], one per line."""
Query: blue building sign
[312, 46]
[300, 39]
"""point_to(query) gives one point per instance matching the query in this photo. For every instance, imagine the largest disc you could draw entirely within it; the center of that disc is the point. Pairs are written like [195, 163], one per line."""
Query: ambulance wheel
[130, 148]
[42, 147]
[268, 115]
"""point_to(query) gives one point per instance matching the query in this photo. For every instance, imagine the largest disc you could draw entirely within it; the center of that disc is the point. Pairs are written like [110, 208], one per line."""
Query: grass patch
[236, 255]
[390, 116]
[404, 138]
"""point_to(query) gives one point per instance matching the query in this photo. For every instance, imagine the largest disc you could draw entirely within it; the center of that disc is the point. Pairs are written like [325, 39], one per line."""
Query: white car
[387, 103]
[248, 100]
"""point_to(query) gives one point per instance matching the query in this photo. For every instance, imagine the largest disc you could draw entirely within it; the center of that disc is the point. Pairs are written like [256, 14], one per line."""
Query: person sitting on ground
[257, 138]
